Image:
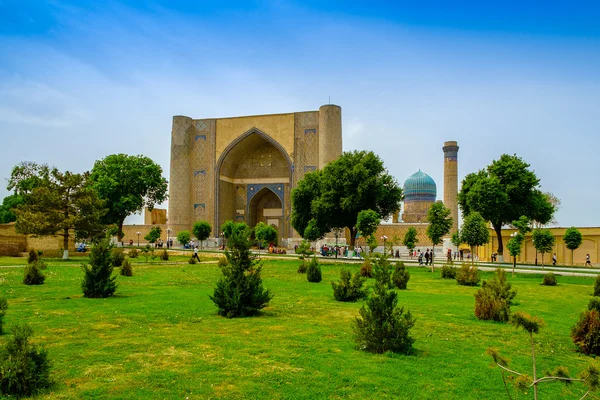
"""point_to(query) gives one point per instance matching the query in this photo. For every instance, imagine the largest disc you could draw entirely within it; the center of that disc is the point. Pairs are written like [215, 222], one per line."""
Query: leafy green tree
[240, 293]
[440, 223]
[98, 281]
[264, 234]
[382, 325]
[154, 234]
[410, 240]
[543, 241]
[313, 232]
[7, 209]
[229, 227]
[474, 232]
[62, 202]
[514, 248]
[26, 176]
[503, 192]
[456, 240]
[201, 230]
[128, 184]
[334, 196]
[367, 222]
[573, 240]
[183, 237]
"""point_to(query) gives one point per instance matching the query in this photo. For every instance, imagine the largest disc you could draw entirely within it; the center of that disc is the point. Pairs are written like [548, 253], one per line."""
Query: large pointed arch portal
[253, 177]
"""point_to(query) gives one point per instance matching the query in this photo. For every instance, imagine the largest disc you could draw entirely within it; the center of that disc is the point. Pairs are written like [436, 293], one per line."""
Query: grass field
[160, 337]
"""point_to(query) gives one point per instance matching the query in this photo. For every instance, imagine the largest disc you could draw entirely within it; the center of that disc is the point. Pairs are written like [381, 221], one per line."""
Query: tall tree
[504, 191]
[543, 241]
[153, 235]
[474, 232]
[456, 240]
[201, 230]
[367, 222]
[264, 233]
[128, 184]
[334, 196]
[514, 248]
[7, 209]
[573, 240]
[410, 239]
[440, 223]
[62, 203]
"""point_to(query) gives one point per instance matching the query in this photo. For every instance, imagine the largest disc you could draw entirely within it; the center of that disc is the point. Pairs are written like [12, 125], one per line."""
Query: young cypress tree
[382, 326]
[98, 281]
[240, 293]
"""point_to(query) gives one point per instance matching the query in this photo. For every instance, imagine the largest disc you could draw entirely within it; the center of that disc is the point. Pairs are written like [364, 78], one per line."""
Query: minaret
[330, 134]
[451, 181]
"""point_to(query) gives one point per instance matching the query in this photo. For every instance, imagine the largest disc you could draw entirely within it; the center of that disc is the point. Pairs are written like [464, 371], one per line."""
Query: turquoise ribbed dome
[420, 186]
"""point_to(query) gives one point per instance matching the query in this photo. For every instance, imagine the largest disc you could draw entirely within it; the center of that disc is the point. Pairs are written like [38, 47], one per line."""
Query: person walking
[587, 260]
[196, 253]
[554, 259]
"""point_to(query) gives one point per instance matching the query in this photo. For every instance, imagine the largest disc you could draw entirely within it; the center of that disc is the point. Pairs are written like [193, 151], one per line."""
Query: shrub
[448, 272]
[586, 332]
[549, 279]
[25, 369]
[467, 275]
[349, 288]
[366, 269]
[192, 260]
[382, 326]
[597, 287]
[33, 256]
[302, 268]
[3, 308]
[164, 255]
[493, 300]
[33, 274]
[313, 271]
[222, 262]
[116, 257]
[98, 281]
[126, 268]
[133, 253]
[401, 275]
[239, 292]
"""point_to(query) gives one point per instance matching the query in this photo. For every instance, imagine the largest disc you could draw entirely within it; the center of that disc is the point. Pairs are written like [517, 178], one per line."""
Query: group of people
[427, 257]
[275, 250]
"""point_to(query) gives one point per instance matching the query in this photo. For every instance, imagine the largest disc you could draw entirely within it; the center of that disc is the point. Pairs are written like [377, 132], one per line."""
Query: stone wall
[13, 243]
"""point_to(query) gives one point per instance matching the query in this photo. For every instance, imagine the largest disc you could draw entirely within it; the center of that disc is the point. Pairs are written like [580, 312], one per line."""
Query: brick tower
[451, 181]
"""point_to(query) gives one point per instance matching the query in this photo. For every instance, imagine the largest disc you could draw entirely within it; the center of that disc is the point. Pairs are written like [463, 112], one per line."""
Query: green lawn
[160, 337]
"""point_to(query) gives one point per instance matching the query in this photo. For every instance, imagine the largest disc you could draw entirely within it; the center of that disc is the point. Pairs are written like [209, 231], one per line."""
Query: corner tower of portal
[451, 181]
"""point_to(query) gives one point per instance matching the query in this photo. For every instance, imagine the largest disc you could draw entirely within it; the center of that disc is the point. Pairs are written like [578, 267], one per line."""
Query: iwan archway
[252, 177]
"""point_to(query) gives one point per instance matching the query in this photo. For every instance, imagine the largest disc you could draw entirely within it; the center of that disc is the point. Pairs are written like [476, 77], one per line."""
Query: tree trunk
[472, 256]
[514, 265]
[542, 260]
[498, 230]
[572, 257]
[65, 244]
[352, 238]
[431, 256]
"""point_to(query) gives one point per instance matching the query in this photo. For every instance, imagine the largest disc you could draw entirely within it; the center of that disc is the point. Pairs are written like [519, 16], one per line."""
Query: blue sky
[82, 80]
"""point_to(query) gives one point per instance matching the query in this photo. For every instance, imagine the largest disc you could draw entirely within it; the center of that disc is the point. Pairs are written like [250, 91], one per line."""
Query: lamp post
[336, 233]
[139, 233]
[223, 240]
[169, 230]
[384, 239]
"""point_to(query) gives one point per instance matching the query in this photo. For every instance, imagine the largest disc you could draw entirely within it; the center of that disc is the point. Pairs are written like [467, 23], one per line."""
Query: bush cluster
[24, 368]
[33, 274]
[549, 279]
[3, 308]
[448, 271]
[467, 275]
[192, 260]
[349, 287]
[164, 255]
[313, 271]
[493, 300]
[382, 325]
[586, 332]
[33, 256]
[98, 281]
[133, 253]
[302, 268]
[222, 262]
[401, 275]
[116, 257]
[240, 293]
[366, 269]
[126, 268]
